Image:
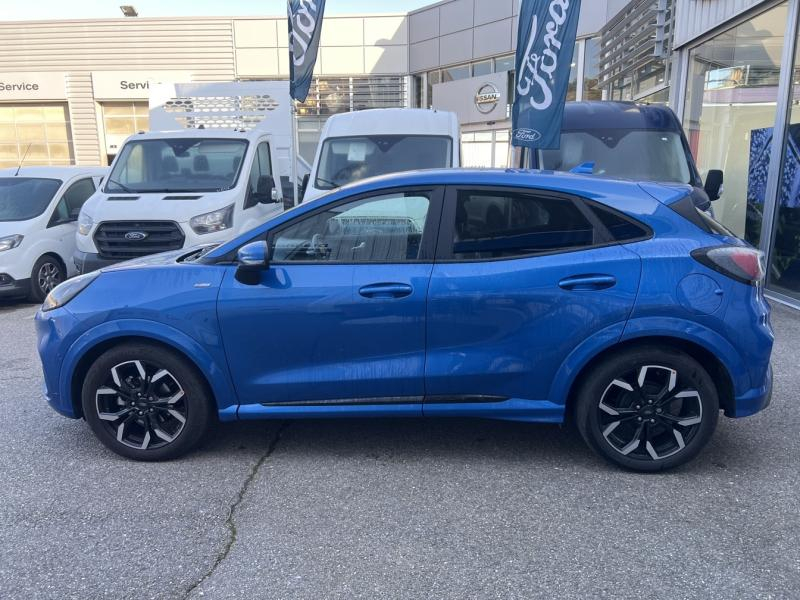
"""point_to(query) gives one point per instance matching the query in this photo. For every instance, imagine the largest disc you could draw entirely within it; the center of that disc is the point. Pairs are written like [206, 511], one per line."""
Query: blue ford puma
[530, 296]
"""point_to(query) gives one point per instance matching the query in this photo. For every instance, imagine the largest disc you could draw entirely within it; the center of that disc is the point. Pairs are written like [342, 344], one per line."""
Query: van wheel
[145, 402]
[647, 408]
[47, 273]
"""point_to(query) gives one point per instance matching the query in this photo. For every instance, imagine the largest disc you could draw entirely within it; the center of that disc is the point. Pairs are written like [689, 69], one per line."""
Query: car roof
[210, 132]
[54, 172]
[392, 121]
[618, 115]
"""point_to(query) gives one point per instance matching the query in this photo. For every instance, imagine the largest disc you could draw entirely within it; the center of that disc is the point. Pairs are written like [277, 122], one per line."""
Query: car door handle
[386, 290]
[587, 282]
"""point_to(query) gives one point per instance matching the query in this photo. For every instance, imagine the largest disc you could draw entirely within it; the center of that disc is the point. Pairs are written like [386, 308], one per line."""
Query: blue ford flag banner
[545, 43]
[305, 27]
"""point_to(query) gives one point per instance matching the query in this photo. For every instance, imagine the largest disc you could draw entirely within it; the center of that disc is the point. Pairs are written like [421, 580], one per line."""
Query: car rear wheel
[145, 402]
[47, 273]
[648, 408]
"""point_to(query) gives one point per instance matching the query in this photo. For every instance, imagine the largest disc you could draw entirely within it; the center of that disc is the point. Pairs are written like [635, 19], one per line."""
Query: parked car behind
[499, 294]
[39, 209]
[639, 142]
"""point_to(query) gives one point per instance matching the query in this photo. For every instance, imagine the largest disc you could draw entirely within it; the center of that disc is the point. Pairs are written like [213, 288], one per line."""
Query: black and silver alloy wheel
[143, 405]
[146, 402]
[47, 273]
[647, 408]
[649, 413]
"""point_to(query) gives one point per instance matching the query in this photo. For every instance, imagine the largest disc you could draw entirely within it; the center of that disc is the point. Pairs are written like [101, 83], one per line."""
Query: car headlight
[218, 220]
[65, 292]
[85, 223]
[9, 242]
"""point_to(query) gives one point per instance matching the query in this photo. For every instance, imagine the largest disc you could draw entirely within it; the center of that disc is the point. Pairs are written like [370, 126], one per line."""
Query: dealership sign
[305, 29]
[487, 98]
[546, 42]
[132, 85]
[32, 86]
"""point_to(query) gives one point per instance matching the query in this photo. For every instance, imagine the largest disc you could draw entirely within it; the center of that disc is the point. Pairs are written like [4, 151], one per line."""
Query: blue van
[625, 140]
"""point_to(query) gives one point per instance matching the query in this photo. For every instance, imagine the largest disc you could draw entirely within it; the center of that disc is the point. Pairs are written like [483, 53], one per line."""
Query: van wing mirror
[266, 190]
[713, 185]
[304, 185]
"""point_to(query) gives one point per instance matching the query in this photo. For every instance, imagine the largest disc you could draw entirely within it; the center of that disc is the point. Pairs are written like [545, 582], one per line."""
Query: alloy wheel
[48, 277]
[144, 406]
[650, 413]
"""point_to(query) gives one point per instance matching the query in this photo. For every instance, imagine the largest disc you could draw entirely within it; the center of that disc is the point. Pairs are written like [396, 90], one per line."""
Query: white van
[39, 209]
[217, 164]
[375, 142]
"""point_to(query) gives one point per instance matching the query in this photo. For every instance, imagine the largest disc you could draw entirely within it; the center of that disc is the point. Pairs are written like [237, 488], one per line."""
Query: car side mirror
[266, 190]
[252, 259]
[713, 186]
[304, 185]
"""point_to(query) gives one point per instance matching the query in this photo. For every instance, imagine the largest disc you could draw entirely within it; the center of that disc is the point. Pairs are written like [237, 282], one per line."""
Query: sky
[83, 9]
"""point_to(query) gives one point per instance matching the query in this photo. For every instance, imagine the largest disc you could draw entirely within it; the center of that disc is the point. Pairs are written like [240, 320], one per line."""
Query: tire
[162, 414]
[664, 404]
[47, 273]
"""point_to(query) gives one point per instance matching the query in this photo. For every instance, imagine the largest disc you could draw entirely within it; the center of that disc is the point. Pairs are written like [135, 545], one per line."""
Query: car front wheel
[47, 273]
[145, 402]
[648, 408]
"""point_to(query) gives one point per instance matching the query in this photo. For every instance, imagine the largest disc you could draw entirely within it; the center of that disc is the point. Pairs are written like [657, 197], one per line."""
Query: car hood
[15, 227]
[179, 207]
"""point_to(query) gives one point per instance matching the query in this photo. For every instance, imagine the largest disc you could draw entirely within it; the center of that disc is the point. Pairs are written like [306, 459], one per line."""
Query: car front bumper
[13, 288]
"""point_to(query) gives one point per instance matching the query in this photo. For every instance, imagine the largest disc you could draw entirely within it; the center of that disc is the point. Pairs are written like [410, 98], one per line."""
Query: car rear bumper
[13, 288]
[86, 262]
[754, 400]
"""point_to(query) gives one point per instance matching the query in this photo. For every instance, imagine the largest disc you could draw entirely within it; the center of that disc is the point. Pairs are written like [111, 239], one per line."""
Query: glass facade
[38, 133]
[732, 105]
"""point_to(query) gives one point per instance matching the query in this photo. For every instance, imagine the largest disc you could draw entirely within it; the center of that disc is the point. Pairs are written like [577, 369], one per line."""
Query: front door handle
[386, 290]
[587, 282]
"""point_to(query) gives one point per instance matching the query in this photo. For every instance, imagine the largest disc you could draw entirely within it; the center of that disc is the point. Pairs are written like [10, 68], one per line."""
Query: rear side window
[621, 228]
[506, 224]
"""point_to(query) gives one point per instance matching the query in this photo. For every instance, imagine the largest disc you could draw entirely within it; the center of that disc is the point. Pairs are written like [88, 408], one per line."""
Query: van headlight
[217, 220]
[65, 292]
[9, 242]
[85, 223]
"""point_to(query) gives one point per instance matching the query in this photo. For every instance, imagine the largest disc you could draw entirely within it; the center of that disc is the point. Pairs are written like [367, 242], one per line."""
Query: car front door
[62, 226]
[338, 318]
[522, 278]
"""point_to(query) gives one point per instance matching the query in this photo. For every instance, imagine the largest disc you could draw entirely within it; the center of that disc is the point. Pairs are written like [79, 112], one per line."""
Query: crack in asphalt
[230, 522]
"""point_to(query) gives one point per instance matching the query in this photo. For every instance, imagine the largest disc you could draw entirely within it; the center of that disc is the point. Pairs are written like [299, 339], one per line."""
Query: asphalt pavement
[392, 509]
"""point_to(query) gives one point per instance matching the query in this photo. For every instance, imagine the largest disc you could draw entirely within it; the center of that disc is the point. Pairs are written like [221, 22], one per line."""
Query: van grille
[158, 236]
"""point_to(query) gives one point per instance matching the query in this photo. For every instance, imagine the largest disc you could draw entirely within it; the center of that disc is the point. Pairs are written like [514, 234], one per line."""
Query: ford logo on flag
[136, 236]
[527, 135]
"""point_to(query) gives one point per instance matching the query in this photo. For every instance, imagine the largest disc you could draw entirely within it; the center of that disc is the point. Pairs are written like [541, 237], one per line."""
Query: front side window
[177, 165]
[347, 159]
[381, 229]
[507, 224]
[69, 207]
[637, 155]
[24, 198]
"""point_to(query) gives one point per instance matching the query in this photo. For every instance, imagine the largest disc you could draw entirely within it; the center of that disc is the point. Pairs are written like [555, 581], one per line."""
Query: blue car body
[495, 338]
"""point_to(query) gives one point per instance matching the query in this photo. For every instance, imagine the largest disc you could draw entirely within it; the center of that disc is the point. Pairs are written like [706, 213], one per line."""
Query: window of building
[456, 73]
[382, 229]
[41, 134]
[504, 63]
[591, 70]
[120, 120]
[485, 149]
[481, 68]
[505, 225]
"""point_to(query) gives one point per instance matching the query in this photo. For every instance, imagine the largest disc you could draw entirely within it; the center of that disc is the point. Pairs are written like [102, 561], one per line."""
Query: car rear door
[522, 278]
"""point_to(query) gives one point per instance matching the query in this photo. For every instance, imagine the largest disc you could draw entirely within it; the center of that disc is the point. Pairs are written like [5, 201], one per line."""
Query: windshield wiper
[333, 184]
[125, 188]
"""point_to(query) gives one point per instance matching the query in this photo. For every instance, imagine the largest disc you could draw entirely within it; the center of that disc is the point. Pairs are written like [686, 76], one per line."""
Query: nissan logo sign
[487, 98]
[135, 236]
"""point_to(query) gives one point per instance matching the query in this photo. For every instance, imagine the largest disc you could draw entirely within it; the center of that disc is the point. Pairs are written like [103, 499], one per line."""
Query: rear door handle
[386, 290]
[587, 282]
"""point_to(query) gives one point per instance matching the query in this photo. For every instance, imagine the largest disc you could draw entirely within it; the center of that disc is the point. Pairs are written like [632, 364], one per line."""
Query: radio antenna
[24, 156]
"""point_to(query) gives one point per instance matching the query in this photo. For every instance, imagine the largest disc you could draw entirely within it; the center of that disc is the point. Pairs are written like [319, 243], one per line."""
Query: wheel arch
[716, 369]
[92, 344]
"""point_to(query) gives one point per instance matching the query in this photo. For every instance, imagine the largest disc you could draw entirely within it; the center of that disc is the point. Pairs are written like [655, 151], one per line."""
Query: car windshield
[639, 155]
[347, 159]
[177, 165]
[24, 198]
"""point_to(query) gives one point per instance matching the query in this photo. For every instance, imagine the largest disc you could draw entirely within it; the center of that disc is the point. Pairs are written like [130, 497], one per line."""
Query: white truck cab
[219, 166]
[39, 209]
[369, 143]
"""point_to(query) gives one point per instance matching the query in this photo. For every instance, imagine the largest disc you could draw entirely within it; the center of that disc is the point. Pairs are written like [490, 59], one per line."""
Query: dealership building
[72, 91]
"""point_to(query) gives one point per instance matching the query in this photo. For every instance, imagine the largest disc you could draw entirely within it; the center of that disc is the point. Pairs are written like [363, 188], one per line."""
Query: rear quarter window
[689, 211]
[621, 227]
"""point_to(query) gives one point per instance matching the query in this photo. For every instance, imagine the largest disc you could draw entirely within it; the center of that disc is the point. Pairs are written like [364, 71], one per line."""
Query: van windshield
[24, 198]
[177, 165]
[639, 155]
[347, 159]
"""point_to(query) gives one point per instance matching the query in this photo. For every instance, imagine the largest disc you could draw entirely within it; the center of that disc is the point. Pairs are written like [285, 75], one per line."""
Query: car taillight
[739, 263]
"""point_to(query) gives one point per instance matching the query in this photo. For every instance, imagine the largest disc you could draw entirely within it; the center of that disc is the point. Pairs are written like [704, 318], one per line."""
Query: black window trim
[444, 248]
[248, 195]
[54, 221]
[427, 246]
